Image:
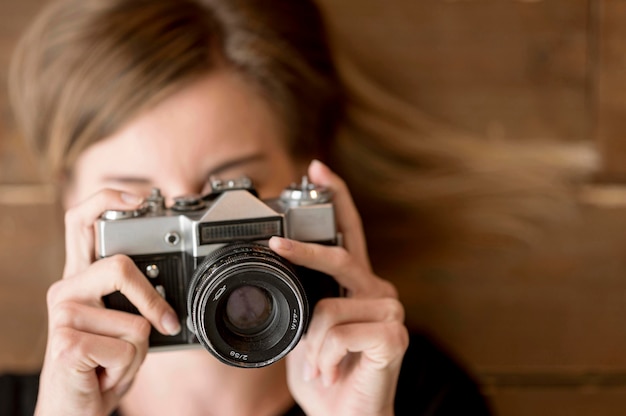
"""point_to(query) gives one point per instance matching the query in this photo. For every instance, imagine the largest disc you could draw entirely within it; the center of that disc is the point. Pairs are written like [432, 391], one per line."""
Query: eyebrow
[231, 164]
[255, 157]
[128, 179]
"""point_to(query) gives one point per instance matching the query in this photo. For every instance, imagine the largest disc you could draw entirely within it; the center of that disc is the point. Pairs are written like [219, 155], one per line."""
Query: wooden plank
[494, 68]
[611, 88]
[557, 305]
[31, 258]
[559, 401]
[17, 164]
[546, 313]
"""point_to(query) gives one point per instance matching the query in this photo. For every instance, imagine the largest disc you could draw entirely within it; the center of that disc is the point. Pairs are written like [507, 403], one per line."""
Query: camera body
[208, 257]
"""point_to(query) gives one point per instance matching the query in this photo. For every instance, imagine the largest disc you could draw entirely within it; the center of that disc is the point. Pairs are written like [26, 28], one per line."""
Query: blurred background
[542, 332]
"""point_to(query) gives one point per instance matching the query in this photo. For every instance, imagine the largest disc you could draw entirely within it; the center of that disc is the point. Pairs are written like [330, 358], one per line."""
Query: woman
[125, 95]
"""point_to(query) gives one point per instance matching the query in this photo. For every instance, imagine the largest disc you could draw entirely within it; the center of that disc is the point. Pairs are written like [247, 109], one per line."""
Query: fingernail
[170, 323]
[131, 198]
[281, 243]
[318, 164]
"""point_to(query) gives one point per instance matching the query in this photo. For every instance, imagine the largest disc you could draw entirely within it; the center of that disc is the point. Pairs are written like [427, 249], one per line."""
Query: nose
[182, 190]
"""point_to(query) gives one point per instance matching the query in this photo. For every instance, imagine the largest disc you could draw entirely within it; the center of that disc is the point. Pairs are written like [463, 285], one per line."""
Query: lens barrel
[246, 305]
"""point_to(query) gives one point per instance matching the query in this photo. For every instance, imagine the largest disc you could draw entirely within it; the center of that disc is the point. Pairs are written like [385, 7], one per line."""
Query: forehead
[209, 121]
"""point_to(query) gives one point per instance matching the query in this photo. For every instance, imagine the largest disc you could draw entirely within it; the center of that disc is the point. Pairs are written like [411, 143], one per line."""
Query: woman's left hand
[349, 360]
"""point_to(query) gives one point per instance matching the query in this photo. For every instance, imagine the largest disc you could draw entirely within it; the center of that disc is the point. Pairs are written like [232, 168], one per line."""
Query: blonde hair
[429, 192]
[86, 67]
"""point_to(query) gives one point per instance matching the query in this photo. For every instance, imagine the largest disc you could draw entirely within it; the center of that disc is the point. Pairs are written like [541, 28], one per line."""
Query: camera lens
[249, 310]
[247, 306]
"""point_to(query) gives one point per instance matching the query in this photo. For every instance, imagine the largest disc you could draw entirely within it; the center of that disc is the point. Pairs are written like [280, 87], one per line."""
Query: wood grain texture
[498, 68]
[556, 306]
[610, 91]
[541, 326]
[31, 258]
[17, 163]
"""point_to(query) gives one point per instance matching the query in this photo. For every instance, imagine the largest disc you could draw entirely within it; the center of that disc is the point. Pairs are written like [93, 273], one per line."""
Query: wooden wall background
[545, 335]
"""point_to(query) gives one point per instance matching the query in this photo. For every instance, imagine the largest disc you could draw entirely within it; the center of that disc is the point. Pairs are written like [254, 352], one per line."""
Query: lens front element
[246, 305]
[249, 310]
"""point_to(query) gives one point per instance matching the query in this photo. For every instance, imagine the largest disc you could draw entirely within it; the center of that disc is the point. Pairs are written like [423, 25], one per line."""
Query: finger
[333, 312]
[348, 218]
[381, 346]
[118, 273]
[106, 322]
[79, 226]
[337, 262]
[81, 353]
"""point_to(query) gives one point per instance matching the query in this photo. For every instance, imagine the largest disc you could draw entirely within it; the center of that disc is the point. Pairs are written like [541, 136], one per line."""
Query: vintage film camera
[208, 257]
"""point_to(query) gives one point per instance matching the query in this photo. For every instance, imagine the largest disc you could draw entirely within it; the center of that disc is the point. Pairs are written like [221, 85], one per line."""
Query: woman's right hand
[93, 353]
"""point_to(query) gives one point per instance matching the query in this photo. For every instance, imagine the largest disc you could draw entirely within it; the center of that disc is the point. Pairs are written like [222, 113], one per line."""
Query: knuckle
[394, 310]
[121, 265]
[398, 336]
[122, 268]
[326, 311]
[63, 314]
[335, 339]
[141, 348]
[54, 292]
[128, 351]
[64, 343]
[387, 289]
[141, 326]
[326, 307]
[342, 259]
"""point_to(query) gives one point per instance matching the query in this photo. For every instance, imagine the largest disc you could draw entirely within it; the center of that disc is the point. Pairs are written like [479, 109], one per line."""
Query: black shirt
[430, 383]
